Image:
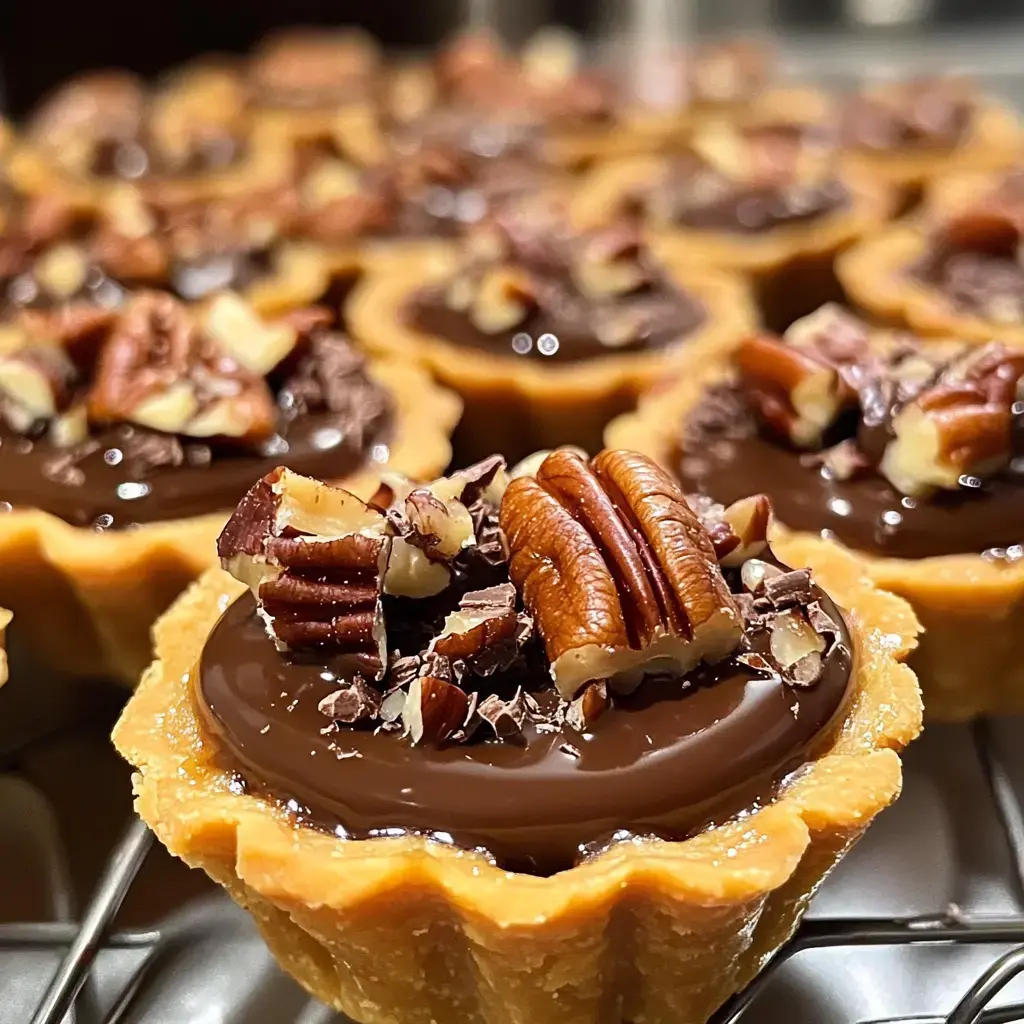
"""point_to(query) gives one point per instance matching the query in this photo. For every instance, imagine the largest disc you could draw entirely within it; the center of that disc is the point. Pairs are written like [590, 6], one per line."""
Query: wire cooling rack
[71, 993]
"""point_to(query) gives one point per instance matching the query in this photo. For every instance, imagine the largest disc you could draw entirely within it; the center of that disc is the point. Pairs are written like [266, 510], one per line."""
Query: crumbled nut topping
[611, 576]
[923, 415]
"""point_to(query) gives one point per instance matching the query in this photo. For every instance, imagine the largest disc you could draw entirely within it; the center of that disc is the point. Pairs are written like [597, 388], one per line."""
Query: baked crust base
[972, 610]
[874, 275]
[402, 929]
[517, 406]
[790, 266]
[85, 600]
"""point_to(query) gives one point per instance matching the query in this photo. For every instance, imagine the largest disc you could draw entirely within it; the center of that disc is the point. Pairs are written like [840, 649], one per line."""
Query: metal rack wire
[71, 984]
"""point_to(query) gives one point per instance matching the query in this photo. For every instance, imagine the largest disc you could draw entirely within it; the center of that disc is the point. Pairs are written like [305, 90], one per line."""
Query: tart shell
[791, 266]
[971, 609]
[86, 600]
[995, 140]
[874, 275]
[517, 405]
[404, 929]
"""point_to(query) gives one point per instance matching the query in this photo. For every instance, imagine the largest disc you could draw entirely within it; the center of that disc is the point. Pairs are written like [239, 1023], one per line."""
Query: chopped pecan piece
[486, 634]
[794, 391]
[616, 570]
[243, 335]
[314, 556]
[435, 524]
[738, 532]
[962, 424]
[588, 706]
[610, 263]
[503, 299]
[36, 384]
[435, 708]
[159, 371]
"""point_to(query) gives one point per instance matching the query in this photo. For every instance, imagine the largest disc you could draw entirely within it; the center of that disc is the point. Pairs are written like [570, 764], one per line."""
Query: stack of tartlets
[899, 449]
[479, 719]
[119, 455]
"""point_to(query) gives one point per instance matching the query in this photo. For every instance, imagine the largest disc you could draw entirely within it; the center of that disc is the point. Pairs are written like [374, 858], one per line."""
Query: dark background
[42, 41]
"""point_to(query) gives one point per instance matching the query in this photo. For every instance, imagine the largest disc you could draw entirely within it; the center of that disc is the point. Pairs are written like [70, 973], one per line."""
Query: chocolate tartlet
[191, 137]
[767, 198]
[576, 649]
[963, 278]
[903, 451]
[909, 133]
[546, 331]
[118, 455]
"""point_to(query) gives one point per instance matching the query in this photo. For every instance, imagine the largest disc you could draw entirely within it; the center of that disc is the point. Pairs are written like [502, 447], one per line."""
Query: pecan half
[158, 370]
[962, 424]
[314, 556]
[616, 570]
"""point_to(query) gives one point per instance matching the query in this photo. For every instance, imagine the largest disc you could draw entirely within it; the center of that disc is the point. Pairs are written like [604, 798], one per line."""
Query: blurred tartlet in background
[547, 331]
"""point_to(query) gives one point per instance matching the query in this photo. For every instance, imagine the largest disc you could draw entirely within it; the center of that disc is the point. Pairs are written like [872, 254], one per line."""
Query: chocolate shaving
[354, 701]
[505, 718]
[789, 589]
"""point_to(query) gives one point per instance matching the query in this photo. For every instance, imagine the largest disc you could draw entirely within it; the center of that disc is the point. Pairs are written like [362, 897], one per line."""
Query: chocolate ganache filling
[875, 462]
[482, 738]
[532, 288]
[748, 181]
[159, 421]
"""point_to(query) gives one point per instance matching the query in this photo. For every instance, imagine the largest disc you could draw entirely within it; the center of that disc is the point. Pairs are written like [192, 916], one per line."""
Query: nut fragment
[254, 344]
[961, 424]
[485, 634]
[314, 556]
[434, 710]
[616, 570]
[35, 384]
[156, 369]
[794, 391]
[797, 647]
[503, 300]
[610, 265]
[588, 706]
[435, 524]
[739, 532]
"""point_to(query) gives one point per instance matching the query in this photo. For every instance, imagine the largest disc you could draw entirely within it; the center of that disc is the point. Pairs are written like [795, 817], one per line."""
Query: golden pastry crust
[953, 194]
[100, 592]
[5, 621]
[971, 609]
[520, 405]
[405, 929]
[874, 276]
[994, 140]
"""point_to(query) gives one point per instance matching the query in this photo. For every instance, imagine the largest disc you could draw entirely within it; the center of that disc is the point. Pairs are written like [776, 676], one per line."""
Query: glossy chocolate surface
[980, 284]
[665, 761]
[868, 513]
[105, 486]
[565, 326]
